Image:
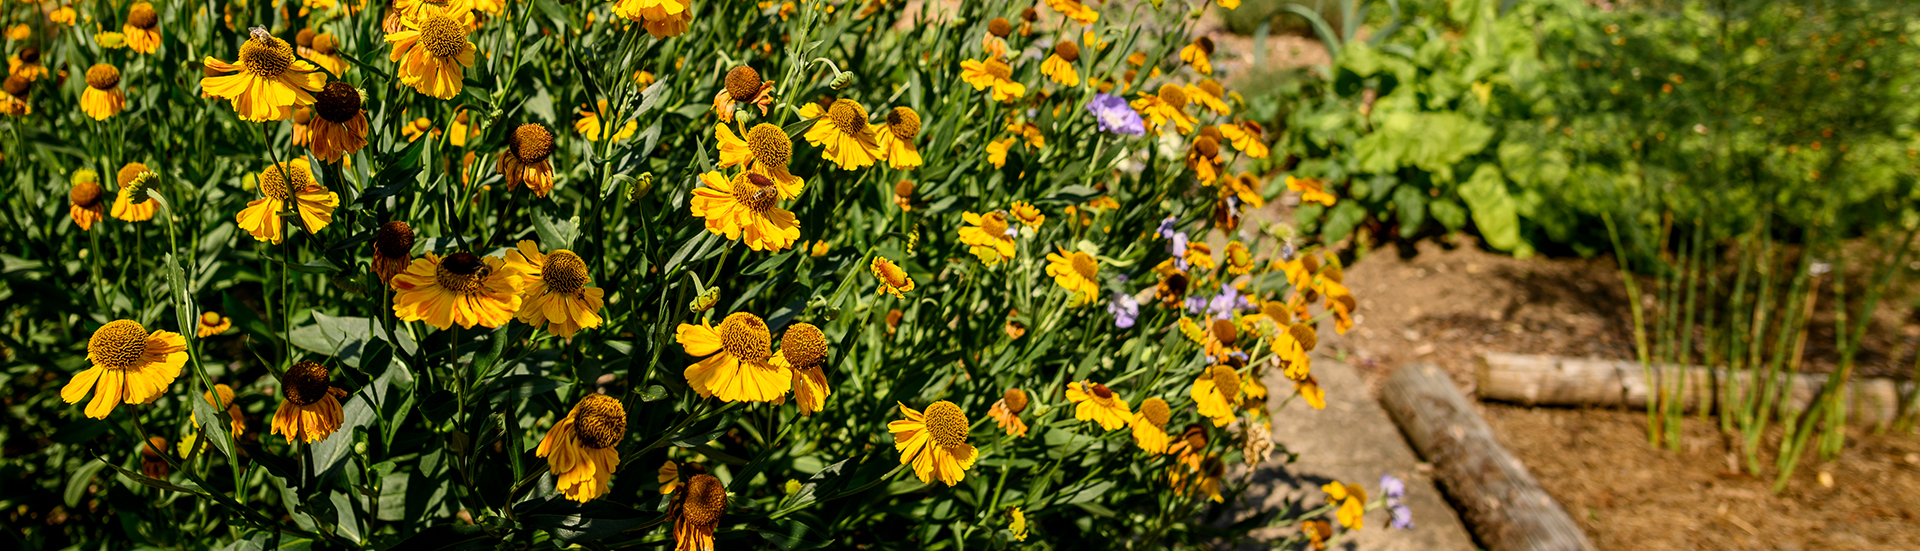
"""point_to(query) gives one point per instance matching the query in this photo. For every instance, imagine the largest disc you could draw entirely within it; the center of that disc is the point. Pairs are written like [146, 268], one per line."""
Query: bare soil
[1448, 304]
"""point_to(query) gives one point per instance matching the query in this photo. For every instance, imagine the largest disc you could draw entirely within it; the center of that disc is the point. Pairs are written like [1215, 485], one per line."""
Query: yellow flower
[288, 186]
[21, 31]
[130, 366]
[1169, 105]
[212, 323]
[325, 53]
[1027, 214]
[896, 138]
[1077, 272]
[1059, 65]
[1203, 158]
[737, 367]
[1209, 94]
[1239, 259]
[124, 206]
[1150, 425]
[765, 150]
[662, 18]
[696, 510]
[1246, 137]
[803, 348]
[26, 64]
[935, 443]
[1006, 412]
[582, 449]
[1311, 190]
[432, 49]
[225, 394]
[85, 204]
[524, 161]
[1018, 524]
[1216, 392]
[462, 288]
[112, 40]
[589, 124]
[266, 81]
[988, 238]
[1318, 532]
[103, 97]
[669, 477]
[1099, 404]
[556, 290]
[1200, 255]
[142, 28]
[417, 129]
[1076, 10]
[1310, 389]
[65, 16]
[997, 151]
[1198, 53]
[892, 279]
[1291, 346]
[845, 137]
[1352, 501]
[1341, 303]
[746, 209]
[994, 74]
[14, 101]
[311, 411]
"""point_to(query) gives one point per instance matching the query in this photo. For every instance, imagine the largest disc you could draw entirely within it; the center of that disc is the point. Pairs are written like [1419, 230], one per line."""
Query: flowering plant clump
[443, 274]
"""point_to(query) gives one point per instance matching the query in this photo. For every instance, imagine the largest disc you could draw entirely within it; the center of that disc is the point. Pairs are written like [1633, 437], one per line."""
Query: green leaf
[554, 233]
[1493, 209]
[212, 427]
[1341, 221]
[81, 478]
[1449, 213]
[1411, 205]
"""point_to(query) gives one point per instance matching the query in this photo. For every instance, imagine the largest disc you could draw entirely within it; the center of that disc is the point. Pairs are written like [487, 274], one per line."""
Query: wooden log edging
[1534, 380]
[1502, 504]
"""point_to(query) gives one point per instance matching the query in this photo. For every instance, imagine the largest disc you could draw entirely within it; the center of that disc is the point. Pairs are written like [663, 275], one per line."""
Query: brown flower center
[1173, 95]
[1212, 88]
[304, 38]
[946, 424]
[564, 272]
[305, 383]
[29, 54]
[770, 146]
[462, 273]
[1224, 331]
[891, 273]
[903, 189]
[339, 102]
[1304, 334]
[281, 182]
[142, 15]
[1227, 380]
[1100, 391]
[118, 345]
[1207, 147]
[1195, 436]
[999, 69]
[128, 173]
[599, 421]
[848, 116]
[1205, 44]
[266, 58]
[532, 143]
[1084, 265]
[16, 86]
[1067, 50]
[1000, 27]
[394, 240]
[904, 123]
[1156, 411]
[745, 336]
[102, 76]
[85, 194]
[804, 345]
[704, 501]
[1015, 399]
[441, 35]
[743, 83]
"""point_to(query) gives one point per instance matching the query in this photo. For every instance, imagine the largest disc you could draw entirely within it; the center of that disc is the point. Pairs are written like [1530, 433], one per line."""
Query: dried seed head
[16, 86]
[305, 382]
[903, 189]
[1000, 27]
[339, 102]
[743, 83]
[1029, 15]
[704, 500]
[102, 76]
[142, 15]
[1067, 51]
[1016, 399]
[304, 38]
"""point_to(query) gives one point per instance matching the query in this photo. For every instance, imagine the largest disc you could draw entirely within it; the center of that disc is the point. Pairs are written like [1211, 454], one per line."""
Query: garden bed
[1448, 305]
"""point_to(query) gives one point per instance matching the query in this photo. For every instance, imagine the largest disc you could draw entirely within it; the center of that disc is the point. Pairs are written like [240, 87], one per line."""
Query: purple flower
[1114, 115]
[1177, 246]
[1402, 516]
[1196, 304]
[1166, 228]
[1391, 486]
[1223, 305]
[1124, 309]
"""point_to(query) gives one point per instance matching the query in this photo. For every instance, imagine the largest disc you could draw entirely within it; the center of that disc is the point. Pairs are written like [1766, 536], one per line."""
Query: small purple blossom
[1125, 310]
[1196, 304]
[1392, 486]
[1177, 246]
[1229, 300]
[1402, 516]
[1166, 228]
[1112, 114]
